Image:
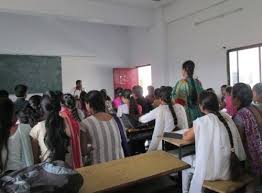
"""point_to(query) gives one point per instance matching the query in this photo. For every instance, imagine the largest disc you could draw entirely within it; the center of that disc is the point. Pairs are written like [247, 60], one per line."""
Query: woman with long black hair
[187, 90]
[50, 136]
[72, 118]
[219, 148]
[167, 118]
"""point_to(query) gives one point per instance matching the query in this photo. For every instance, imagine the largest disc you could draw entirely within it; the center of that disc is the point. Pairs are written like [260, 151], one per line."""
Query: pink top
[117, 102]
[231, 110]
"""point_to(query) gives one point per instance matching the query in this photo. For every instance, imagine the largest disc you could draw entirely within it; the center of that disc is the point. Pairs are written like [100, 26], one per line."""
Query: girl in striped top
[100, 131]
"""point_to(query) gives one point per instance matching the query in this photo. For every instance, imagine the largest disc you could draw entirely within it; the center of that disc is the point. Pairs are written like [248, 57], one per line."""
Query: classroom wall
[91, 50]
[204, 43]
[148, 45]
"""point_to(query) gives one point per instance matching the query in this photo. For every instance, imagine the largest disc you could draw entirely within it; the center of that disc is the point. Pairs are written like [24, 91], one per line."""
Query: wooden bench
[228, 186]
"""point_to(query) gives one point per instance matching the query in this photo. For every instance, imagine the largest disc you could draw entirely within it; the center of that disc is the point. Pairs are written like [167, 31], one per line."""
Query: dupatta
[74, 127]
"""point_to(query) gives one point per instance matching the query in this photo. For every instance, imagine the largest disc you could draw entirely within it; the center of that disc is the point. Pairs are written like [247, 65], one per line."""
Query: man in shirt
[76, 91]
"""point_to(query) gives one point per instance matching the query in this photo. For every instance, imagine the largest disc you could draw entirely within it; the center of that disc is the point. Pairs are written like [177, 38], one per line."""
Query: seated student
[117, 100]
[167, 118]
[248, 120]
[20, 93]
[108, 102]
[83, 106]
[10, 143]
[211, 90]
[72, 118]
[50, 135]
[35, 104]
[140, 99]
[25, 116]
[4, 94]
[129, 105]
[101, 131]
[223, 96]
[257, 95]
[157, 100]
[231, 110]
[213, 135]
[151, 95]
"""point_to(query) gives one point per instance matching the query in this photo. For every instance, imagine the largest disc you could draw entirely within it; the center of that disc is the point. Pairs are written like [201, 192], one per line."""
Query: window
[244, 65]
[145, 78]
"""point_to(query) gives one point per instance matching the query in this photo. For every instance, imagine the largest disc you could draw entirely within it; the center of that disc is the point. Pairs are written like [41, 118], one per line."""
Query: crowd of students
[89, 128]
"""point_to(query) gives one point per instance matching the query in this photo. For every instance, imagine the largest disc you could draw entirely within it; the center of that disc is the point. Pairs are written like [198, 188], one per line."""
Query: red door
[125, 77]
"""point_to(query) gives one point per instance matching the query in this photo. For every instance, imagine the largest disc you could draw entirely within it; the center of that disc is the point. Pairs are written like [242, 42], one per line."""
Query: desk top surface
[120, 173]
[177, 142]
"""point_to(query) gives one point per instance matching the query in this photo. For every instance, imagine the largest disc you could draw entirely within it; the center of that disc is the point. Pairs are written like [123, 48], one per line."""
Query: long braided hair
[209, 102]
[55, 139]
[189, 67]
[165, 95]
[69, 102]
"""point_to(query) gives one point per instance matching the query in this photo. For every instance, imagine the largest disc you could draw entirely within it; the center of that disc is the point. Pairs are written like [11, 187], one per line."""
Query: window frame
[259, 46]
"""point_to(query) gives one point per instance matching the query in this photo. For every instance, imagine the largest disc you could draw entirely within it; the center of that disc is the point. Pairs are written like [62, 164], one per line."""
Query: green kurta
[182, 94]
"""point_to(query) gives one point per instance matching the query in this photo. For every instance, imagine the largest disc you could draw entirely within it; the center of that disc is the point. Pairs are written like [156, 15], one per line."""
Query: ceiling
[137, 3]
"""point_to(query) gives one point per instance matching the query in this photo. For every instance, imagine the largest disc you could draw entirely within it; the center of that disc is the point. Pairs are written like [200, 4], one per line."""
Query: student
[25, 116]
[72, 118]
[157, 100]
[248, 120]
[117, 100]
[20, 93]
[10, 143]
[101, 131]
[223, 96]
[108, 102]
[213, 134]
[151, 95]
[36, 115]
[167, 117]
[50, 135]
[83, 106]
[257, 95]
[4, 94]
[140, 99]
[129, 105]
[187, 90]
[211, 90]
[231, 110]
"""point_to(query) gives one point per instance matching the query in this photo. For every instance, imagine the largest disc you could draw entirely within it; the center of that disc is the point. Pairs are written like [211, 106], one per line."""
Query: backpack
[54, 177]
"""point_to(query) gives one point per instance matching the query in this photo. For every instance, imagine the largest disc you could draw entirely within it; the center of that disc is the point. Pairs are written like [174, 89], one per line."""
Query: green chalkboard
[39, 73]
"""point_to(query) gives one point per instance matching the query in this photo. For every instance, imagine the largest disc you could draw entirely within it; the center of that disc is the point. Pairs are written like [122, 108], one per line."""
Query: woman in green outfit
[187, 90]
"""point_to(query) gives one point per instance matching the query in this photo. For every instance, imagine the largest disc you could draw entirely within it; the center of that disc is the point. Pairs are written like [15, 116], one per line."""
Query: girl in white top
[167, 118]
[129, 105]
[10, 143]
[213, 147]
[51, 135]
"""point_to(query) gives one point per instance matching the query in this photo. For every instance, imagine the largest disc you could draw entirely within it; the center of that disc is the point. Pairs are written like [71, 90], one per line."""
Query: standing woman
[187, 90]
[50, 136]
[167, 117]
[72, 119]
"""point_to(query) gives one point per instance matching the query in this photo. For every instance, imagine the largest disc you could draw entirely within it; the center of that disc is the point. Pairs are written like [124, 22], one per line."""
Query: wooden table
[180, 143]
[118, 174]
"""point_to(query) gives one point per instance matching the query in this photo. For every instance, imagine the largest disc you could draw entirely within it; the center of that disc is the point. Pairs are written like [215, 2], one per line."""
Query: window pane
[233, 67]
[248, 61]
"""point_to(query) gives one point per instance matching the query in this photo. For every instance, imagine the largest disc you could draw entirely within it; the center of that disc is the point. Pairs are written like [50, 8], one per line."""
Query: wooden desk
[117, 174]
[177, 142]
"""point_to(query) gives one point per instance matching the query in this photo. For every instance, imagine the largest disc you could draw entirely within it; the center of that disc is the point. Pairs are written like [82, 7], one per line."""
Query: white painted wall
[203, 43]
[107, 44]
[149, 46]
[83, 10]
